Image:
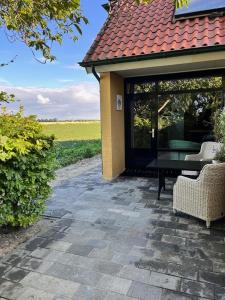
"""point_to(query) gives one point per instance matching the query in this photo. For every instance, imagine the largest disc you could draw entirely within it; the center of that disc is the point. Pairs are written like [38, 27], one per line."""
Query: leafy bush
[219, 125]
[26, 166]
[72, 151]
[220, 155]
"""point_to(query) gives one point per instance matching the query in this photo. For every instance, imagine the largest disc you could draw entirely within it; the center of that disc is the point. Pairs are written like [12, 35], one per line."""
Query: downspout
[98, 78]
[95, 73]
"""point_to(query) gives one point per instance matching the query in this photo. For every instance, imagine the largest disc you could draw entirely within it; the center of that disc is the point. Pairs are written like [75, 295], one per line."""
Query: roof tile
[148, 29]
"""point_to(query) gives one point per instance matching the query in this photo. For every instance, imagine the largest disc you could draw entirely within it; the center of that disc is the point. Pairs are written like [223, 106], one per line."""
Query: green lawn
[74, 140]
[73, 131]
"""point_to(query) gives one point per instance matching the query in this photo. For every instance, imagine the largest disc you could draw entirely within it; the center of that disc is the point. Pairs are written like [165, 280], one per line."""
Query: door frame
[129, 151]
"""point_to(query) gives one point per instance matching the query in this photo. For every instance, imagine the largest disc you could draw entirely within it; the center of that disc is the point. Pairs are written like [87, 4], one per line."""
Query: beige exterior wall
[112, 122]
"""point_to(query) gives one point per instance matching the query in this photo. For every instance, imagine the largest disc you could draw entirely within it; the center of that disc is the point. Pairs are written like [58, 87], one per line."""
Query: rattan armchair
[204, 197]
[207, 152]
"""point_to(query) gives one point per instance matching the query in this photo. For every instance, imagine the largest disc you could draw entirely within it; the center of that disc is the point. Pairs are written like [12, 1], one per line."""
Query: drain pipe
[98, 78]
[95, 73]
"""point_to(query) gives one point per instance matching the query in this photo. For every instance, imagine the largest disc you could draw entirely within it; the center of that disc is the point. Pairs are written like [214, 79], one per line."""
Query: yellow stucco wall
[112, 122]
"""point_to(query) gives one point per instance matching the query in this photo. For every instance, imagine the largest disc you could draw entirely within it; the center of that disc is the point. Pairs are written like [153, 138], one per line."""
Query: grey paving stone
[116, 296]
[165, 281]
[35, 264]
[114, 284]
[220, 293]
[16, 257]
[211, 277]
[135, 274]
[34, 243]
[76, 274]
[152, 265]
[10, 290]
[78, 261]
[15, 274]
[106, 267]
[123, 259]
[60, 246]
[89, 293]
[144, 291]
[50, 284]
[219, 267]
[40, 252]
[117, 224]
[104, 254]
[170, 295]
[187, 271]
[35, 294]
[101, 244]
[82, 250]
[30, 263]
[174, 240]
[198, 288]
[4, 269]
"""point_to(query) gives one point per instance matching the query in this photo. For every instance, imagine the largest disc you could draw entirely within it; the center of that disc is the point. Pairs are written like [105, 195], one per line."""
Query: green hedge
[27, 163]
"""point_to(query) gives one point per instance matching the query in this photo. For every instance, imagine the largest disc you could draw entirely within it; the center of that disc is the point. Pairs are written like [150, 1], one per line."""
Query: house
[162, 75]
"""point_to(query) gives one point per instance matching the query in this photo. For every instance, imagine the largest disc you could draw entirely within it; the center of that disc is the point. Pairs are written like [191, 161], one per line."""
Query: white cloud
[77, 101]
[42, 100]
[75, 66]
[65, 80]
[4, 81]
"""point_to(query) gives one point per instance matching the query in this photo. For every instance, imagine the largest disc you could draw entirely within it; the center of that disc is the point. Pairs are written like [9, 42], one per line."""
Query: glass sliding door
[168, 119]
[185, 115]
[142, 130]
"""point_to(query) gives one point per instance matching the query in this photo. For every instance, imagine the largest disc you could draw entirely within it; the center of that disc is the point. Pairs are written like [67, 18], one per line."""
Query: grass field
[74, 140]
[73, 131]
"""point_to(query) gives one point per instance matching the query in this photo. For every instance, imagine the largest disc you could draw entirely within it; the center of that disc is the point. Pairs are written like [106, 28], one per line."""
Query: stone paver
[115, 241]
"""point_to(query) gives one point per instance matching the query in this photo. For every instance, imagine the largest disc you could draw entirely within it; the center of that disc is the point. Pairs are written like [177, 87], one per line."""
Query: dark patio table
[173, 168]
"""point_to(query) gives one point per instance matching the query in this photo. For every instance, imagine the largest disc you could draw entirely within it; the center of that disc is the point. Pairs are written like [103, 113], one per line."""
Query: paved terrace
[115, 241]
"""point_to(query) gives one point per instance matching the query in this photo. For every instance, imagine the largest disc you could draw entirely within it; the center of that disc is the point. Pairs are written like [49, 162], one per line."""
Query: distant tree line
[56, 120]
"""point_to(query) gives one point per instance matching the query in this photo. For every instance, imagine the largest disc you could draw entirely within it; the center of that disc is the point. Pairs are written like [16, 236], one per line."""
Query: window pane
[190, 84]
[145, 87]
[185, 121]
[141, 123]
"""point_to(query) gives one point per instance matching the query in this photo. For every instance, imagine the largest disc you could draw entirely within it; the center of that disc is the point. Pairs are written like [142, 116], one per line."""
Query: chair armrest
[194, 157]
[182, 180]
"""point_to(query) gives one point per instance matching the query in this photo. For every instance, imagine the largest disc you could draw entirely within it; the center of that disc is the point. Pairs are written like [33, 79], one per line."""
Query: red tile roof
[150, 29]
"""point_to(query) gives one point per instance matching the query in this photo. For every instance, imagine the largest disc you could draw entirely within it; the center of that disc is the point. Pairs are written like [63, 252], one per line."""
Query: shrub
[26, 166]
[219, 125]
[70, 152]
[220, 155]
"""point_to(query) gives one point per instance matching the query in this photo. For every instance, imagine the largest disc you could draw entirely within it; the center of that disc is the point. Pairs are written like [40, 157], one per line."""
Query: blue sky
[61, 89]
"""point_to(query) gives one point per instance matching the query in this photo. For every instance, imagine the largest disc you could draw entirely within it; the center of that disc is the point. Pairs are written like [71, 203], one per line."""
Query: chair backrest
[213, 175]
[209, 149]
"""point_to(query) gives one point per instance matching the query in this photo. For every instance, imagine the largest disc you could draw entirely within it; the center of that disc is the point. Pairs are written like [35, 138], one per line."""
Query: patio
[115, 241]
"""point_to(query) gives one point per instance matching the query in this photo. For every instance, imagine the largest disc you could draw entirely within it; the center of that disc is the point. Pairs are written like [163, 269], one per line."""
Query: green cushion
[181, 144]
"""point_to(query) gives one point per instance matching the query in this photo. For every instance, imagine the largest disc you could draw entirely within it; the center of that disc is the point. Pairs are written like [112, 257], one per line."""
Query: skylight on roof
[200, 7]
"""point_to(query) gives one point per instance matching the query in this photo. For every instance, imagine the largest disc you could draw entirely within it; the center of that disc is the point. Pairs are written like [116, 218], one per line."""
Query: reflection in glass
[141, 120]
[190, 84]
[185, 121]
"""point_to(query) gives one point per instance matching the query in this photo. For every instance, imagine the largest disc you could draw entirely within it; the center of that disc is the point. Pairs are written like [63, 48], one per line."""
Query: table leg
[161, 181]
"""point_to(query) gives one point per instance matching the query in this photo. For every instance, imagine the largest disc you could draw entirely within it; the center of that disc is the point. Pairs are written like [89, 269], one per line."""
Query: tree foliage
[40, 23]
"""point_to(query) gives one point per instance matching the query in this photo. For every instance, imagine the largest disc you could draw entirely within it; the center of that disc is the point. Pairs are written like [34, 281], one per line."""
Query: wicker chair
[204, 197]
[208, 152]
